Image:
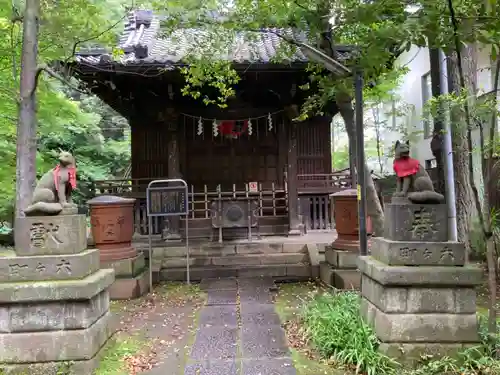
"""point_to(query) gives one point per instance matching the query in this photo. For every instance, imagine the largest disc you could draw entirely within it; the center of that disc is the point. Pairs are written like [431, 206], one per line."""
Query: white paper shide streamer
[200, 126]
[215, 128]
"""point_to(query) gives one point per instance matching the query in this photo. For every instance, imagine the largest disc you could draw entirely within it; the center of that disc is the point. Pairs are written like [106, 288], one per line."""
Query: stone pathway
[239, 332]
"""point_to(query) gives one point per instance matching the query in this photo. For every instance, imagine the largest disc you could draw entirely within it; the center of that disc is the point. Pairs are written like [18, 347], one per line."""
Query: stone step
[232, 260]
[225, 249]
[280, 272]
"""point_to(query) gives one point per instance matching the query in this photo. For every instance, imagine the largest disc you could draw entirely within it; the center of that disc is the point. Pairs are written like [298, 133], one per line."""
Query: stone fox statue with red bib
[52, 195]
[413, 181]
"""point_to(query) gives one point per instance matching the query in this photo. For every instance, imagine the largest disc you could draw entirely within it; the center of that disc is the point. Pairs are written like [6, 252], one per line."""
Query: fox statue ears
[398, 143]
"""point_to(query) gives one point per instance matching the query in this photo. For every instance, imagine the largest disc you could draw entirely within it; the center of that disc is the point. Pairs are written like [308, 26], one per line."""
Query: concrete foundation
[54, 313]
[418, 294]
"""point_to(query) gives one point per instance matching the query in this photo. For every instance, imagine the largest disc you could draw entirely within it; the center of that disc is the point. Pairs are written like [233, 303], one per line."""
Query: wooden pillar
[172, 225]
[282, 151]
[296, 227]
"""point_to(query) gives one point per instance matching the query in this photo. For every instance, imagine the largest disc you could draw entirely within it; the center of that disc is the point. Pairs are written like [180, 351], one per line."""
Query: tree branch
[53, 74]
[78, 42]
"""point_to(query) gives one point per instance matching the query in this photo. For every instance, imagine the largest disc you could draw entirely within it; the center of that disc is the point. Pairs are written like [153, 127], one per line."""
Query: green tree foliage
[66, 118]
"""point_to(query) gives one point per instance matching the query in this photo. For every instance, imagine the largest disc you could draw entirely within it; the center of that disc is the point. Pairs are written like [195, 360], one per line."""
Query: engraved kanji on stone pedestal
[417, 292]
[54, 299]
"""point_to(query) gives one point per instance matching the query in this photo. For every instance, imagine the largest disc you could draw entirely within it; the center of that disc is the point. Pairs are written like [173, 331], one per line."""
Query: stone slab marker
[417, 292]
[54, 300]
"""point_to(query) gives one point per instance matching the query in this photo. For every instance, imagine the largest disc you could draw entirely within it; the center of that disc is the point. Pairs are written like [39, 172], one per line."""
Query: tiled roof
[143, 41]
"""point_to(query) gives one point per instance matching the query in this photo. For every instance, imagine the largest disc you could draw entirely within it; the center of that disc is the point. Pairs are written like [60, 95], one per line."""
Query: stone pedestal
[340, 269]
[417, 292]
[54, 300]
[132, 277]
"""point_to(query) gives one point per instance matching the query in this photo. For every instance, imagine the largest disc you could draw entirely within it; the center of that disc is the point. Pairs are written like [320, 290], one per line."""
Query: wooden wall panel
[149, 151]
[314, 147]
[217, 160]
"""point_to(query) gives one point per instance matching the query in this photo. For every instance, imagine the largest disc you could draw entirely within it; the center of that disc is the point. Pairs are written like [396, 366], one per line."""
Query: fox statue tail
[425, 197]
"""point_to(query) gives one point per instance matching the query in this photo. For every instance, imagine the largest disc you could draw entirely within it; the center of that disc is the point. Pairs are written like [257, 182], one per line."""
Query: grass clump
[333, 324]
[113, 360]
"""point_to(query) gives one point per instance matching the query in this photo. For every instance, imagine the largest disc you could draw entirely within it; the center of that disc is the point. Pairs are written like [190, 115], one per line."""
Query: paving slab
[221, 297]
[213, 368]
[219, 284]
[256, 296]
[255, 283]
[215, 343]
[218, 316]
[263, 342]
[259, 314]
[275, 366]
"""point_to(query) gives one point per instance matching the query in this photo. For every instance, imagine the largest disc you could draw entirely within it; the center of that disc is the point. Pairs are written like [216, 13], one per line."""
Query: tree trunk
[373, 206]
[26, 130]
[466, 209]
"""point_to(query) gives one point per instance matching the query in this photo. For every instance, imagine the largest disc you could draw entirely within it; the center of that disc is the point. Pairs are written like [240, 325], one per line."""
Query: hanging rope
[266, 116]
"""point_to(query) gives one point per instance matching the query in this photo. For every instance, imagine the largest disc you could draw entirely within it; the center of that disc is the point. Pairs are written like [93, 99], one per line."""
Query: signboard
[167, 201]
[253, 187]
[166, 198]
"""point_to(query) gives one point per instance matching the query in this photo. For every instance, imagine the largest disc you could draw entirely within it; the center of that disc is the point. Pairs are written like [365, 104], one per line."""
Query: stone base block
[346, 279]
[59, 290]
[340, 279]
[326, 273]
[419, 300]
[48, 267]
[50, 235]
[420, 328]
[399, 253]
[53, 316]
[128, 288]
[127, 268]
[466, 276]
[416, 222]
[341, 259]
[84, 367]
[411, 354]
[55, 346]
[52, 368]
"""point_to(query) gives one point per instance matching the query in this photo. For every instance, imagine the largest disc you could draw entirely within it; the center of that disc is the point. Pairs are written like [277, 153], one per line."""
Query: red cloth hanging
[226, 127]
[72, 176]
[406, 166]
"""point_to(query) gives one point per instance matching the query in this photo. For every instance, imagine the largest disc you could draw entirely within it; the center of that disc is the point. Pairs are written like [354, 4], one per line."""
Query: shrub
[333, 324]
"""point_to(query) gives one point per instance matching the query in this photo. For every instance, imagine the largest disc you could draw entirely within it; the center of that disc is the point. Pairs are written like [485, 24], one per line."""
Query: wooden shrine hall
[246, 165]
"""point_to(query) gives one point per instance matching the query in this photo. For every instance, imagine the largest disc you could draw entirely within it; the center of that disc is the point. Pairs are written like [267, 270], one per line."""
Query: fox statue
[413, 181]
